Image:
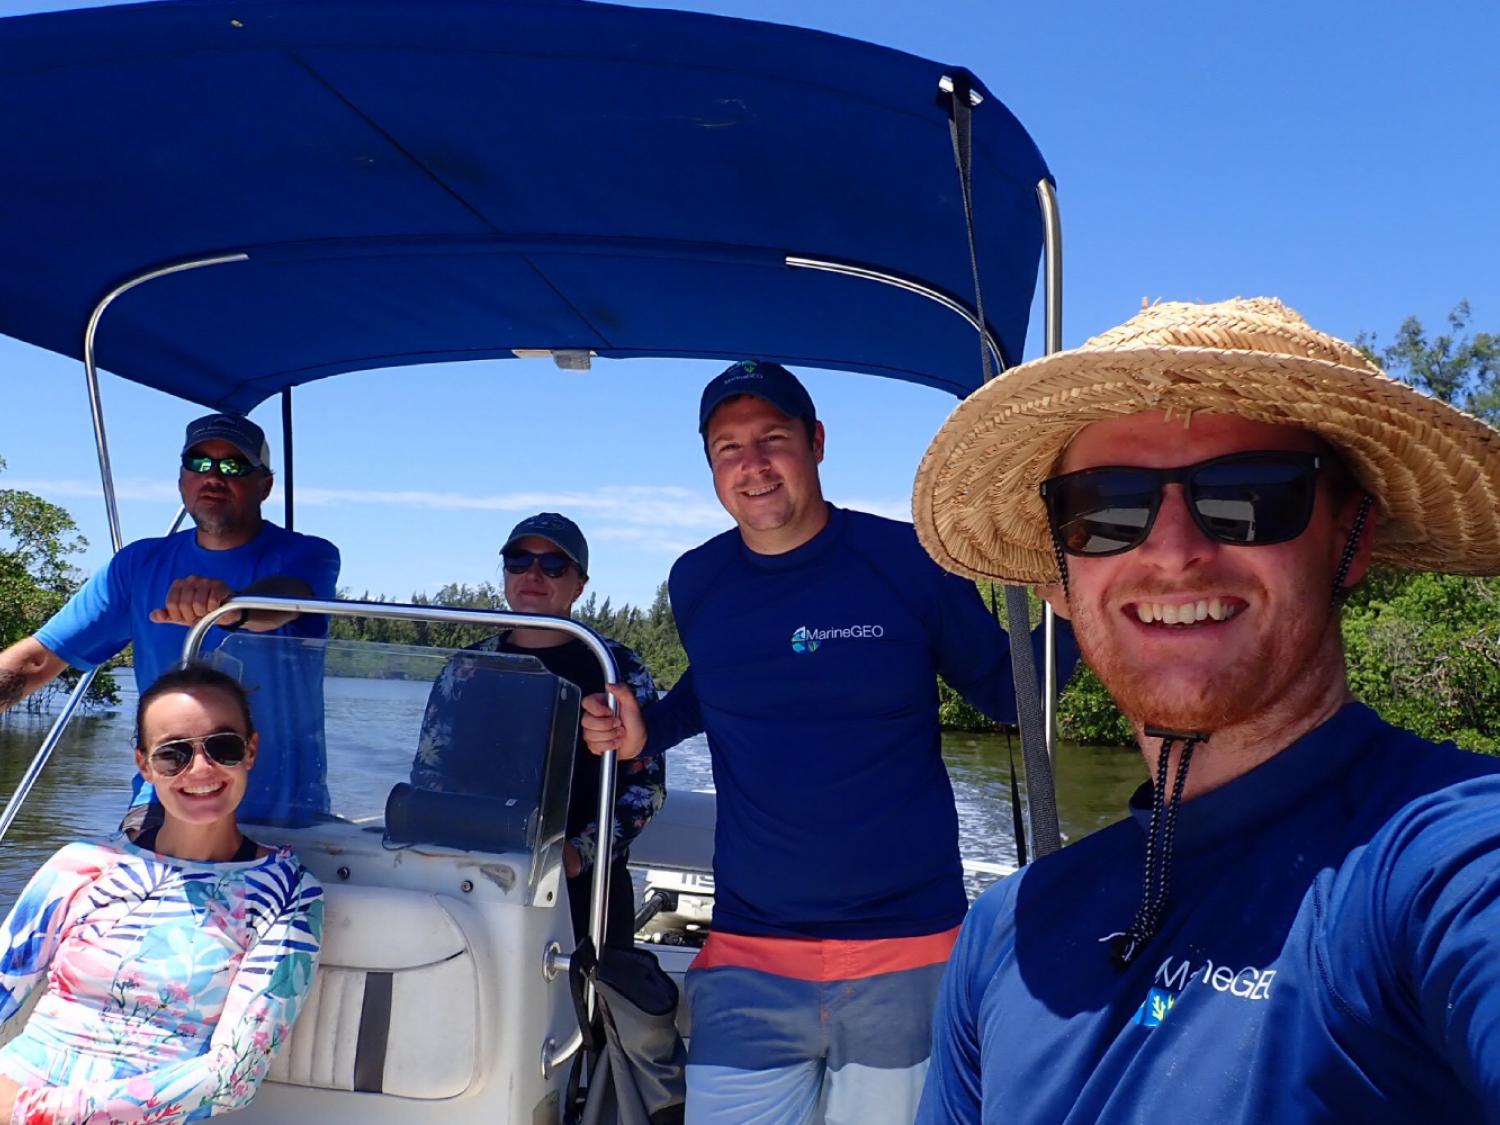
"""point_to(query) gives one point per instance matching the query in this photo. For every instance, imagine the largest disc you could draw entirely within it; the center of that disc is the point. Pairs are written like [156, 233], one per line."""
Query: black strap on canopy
[1041, 792]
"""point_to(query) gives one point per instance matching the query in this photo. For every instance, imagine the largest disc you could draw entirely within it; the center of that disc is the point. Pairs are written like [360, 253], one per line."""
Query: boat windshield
[432, 748]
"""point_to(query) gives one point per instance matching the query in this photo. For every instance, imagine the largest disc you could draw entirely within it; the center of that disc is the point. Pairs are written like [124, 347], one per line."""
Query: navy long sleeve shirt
[814, 675]
[1330, 952]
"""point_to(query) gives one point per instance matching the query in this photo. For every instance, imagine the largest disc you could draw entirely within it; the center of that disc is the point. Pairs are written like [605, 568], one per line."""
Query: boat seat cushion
[394, 1005]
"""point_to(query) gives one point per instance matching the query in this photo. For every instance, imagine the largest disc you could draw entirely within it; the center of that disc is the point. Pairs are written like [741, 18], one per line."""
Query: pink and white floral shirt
[170, 984]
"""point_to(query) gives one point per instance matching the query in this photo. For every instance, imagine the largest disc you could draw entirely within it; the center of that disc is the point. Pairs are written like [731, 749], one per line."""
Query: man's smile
[1178, 612]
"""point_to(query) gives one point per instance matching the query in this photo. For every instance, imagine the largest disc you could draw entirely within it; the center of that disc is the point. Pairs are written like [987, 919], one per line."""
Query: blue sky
[1343, 156]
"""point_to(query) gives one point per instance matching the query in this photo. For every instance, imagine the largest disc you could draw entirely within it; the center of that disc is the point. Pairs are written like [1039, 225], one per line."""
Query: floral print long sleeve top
[170, 984]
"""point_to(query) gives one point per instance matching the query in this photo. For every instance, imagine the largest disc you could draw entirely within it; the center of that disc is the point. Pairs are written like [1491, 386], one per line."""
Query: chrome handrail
[553, 1054]
[1046, 196]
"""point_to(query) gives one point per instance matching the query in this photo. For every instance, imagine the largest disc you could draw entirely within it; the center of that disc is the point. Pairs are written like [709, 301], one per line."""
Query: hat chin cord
[1124, 947]
[1356, 533]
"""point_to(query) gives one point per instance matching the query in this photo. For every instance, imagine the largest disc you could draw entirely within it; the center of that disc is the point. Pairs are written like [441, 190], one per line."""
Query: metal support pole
[1052, 265]
[111, 510]
[286, 458]
[91, 374]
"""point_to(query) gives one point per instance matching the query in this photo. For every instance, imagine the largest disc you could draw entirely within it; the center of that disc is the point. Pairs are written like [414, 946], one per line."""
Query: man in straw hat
[1300, 918]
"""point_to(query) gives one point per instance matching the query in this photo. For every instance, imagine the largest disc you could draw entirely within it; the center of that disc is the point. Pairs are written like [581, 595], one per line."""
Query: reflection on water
[372, 733]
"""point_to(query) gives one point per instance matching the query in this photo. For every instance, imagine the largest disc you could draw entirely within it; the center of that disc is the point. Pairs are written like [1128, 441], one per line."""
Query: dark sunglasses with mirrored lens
[554, 564]
[226, 748]
[1246, 499]
[225, 466]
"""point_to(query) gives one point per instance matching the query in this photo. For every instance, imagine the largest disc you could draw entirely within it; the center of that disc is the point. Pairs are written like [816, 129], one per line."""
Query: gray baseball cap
[558, 530]
[237, 430]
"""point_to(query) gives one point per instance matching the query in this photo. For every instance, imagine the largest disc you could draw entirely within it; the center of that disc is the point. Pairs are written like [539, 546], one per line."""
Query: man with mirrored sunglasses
[1300, 918]
[153, 590]
[545, 560]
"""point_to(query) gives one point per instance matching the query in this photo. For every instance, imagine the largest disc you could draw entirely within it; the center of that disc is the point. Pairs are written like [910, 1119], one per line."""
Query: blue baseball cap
[769, 381]
[237, 430]
[558, 530]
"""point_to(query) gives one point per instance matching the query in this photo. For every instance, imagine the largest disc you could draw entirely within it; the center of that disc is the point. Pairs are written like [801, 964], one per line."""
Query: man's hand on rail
[625, 733]
[188, 599]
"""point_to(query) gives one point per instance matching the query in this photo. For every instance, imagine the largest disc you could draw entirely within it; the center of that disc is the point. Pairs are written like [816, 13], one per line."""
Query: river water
[87, 784]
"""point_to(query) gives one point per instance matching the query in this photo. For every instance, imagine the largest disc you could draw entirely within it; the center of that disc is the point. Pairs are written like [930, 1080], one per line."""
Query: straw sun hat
[1433, 470]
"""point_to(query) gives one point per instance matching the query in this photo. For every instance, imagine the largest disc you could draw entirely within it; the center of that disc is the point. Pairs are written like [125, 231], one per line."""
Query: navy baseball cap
[237, 430]
[769, 381]
[558, 530]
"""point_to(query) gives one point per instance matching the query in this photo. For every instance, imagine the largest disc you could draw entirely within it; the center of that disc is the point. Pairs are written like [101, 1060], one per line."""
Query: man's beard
[1231, 694]
[216, 522]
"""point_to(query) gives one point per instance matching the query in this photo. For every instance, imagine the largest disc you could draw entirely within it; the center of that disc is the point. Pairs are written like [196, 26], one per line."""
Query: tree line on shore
[1423, 649]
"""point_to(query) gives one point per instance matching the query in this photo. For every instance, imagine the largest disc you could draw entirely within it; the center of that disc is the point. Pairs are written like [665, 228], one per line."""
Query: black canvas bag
[635, 1056]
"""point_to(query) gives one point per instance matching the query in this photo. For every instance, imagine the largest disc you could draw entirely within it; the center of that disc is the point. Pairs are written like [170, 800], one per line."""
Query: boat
[227, 200]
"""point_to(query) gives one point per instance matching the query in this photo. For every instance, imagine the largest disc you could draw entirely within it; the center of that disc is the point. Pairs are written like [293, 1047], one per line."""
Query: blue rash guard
[814, 674]
[1330, 952]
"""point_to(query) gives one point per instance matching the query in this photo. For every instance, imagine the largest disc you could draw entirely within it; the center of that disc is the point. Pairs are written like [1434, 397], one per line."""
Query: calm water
[86, 786]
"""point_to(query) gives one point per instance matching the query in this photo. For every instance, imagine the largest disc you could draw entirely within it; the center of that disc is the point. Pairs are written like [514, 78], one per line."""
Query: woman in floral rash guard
[173, 965]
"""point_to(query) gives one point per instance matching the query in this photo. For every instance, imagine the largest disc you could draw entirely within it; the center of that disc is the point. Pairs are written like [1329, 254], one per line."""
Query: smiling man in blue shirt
[1299, 921]
[815, 636]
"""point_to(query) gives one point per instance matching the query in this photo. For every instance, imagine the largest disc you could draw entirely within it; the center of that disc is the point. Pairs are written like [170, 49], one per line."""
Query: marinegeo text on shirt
[805, 639]
[1173, 977]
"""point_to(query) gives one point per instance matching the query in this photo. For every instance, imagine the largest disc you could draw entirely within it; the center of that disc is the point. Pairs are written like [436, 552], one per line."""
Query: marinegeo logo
[1172, 978]
[746, 371]
[805, 639]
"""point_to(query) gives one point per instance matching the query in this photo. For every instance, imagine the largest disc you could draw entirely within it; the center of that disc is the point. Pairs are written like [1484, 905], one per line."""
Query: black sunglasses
[226, 466]
[554, 564]
[225, 748]
[1247, 499]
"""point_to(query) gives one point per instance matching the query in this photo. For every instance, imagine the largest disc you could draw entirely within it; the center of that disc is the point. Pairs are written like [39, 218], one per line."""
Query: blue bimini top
[383, 184]
[1329, 953]
[814, 674]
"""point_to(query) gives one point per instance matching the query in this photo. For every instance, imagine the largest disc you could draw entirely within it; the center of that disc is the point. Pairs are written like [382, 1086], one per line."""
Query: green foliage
[652, 633]
[36, 538]
[1424, 651]
[1085, 712]
[425, 634]
[1456, 368]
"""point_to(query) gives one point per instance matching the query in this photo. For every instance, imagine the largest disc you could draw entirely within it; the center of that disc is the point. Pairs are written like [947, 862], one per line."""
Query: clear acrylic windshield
[428, 747]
